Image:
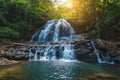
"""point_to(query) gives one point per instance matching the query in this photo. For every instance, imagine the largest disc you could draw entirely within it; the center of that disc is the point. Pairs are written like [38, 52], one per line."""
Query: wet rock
[101, 45]
[14, 52]
[105, 45]
[116, 55]
[87, 57]
[85, 52]
[82, 43]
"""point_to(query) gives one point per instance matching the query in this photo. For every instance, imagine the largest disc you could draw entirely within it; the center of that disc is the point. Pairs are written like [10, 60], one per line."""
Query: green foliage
[20, 19]
[108, 19]
[8, 33]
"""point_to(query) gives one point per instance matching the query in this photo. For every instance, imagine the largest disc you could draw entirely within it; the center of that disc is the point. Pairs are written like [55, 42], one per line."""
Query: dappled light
[69, 9]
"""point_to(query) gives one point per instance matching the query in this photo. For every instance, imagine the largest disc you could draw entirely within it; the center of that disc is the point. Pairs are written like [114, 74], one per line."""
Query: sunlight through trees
[26, 16]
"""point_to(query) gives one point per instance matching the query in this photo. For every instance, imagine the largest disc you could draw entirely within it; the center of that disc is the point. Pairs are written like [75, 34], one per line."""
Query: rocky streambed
[84, 51]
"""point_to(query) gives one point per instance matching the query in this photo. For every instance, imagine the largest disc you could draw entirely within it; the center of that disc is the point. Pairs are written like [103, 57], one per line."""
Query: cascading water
[101, 59]
[54, 30]
[57, 31]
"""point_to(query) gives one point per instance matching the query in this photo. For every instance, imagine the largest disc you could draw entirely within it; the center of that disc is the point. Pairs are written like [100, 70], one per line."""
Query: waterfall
[56, 31]
[101, 59]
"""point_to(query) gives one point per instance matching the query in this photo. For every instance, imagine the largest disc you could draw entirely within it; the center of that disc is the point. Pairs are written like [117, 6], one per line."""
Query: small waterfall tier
[53, 52]
[54, 30]
[101, 58]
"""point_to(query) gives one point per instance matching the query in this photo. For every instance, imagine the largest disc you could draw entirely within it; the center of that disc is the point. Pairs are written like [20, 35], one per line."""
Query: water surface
[59, 70]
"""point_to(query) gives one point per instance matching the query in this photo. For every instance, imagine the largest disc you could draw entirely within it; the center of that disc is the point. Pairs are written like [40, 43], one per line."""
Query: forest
[19, 19]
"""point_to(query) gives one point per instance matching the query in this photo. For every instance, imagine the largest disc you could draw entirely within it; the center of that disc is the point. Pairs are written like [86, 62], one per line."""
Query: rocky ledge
[83, 49]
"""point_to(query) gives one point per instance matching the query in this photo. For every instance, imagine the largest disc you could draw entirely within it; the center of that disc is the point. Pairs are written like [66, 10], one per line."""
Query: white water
[64, 51]
[68, 52]
[54, 30]
[101, 59]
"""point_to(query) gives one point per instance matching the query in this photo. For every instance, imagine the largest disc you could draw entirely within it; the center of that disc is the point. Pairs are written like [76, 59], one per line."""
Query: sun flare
[63, 1]
[66, 3]
[69, 5]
